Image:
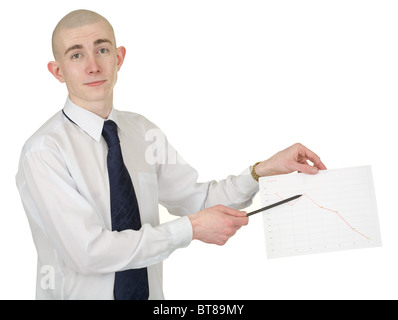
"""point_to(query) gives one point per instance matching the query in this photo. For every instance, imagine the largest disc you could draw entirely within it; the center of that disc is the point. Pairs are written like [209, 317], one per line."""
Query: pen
[274, 205]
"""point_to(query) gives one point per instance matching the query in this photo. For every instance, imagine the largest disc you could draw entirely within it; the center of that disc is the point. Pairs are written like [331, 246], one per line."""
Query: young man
[67, 187]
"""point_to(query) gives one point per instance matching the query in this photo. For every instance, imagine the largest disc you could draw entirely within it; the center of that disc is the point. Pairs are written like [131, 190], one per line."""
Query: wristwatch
[253, 172]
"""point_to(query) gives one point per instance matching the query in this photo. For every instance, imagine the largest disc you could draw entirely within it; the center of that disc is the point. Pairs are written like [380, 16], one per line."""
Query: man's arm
[217, 224]
[62, 219]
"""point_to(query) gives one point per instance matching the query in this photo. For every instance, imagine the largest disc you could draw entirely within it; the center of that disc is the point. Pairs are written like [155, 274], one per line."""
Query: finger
[238, 222]
[306, 168]
[232, 212]
[314, 158]
[237, 218]
[320, 165]
[244, 221]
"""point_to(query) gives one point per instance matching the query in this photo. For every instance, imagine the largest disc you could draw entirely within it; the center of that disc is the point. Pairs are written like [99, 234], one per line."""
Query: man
[65, 180]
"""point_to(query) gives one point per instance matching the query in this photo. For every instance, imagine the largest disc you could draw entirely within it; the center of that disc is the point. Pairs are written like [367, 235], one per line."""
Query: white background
[231, 83]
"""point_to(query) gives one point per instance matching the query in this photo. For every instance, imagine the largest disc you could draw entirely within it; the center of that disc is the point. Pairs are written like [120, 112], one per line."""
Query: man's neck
[101, 108]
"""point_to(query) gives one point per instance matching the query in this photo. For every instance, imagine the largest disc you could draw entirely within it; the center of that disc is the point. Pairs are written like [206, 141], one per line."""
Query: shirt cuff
[182, 232]
[246, 183]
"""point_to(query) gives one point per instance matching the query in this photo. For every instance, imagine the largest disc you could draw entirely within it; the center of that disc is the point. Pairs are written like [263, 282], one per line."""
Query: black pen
[274, 205]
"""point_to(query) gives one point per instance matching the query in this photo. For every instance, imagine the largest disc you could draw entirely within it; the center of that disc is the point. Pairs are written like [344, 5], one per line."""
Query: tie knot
[109, 133]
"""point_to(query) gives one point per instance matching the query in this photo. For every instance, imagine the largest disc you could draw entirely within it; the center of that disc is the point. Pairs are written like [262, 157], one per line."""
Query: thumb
[306, 168]
[233, 212]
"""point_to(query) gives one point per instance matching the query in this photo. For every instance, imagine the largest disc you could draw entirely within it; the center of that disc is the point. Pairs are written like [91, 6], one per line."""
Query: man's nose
[93, 65]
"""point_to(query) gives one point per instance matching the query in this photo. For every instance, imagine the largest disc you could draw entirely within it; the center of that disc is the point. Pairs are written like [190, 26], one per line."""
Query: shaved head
[77, 19]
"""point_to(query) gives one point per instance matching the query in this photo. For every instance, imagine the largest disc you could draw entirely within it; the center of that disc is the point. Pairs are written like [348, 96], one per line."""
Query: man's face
[88, 61]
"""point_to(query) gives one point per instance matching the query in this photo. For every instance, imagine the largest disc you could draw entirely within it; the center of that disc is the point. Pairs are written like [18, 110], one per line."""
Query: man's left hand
[294, 158]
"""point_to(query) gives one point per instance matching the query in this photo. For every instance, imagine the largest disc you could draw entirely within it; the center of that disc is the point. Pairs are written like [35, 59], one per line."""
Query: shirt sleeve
[62, 219]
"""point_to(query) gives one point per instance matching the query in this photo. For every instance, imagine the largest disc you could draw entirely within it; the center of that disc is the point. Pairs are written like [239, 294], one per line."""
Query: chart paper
[337, 211]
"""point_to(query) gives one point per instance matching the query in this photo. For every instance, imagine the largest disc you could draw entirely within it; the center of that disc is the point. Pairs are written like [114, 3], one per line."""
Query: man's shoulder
[136, 120]
[46, 134]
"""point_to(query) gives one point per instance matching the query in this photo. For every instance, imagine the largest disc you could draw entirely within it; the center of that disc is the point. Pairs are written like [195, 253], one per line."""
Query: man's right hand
[217, 224]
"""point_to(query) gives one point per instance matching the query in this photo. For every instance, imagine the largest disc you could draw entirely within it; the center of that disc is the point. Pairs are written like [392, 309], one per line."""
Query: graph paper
[337, 211]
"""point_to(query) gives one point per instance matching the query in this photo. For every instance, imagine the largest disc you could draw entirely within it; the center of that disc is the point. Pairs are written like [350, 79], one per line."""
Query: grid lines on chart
[327, 209]
[337, 211]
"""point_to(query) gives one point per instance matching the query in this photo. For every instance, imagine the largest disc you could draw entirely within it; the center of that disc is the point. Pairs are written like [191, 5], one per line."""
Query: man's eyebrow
[76, 46]
[99, 41]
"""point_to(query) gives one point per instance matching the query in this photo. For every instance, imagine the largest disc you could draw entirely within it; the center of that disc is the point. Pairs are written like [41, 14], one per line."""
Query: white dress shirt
[63, 183]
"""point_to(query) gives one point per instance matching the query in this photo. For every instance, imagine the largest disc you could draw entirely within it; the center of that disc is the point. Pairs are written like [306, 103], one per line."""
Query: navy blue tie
[129, 284]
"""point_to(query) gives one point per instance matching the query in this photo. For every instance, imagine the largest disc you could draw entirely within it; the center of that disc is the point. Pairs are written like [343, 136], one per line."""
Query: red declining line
[336, 212]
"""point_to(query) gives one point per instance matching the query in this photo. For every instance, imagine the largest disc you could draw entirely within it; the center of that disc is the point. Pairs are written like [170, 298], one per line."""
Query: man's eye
[103, 50]
[76, 56]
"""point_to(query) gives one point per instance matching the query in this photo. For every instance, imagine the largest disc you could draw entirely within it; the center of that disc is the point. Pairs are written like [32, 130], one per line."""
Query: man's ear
[53, 67]
[121, 53]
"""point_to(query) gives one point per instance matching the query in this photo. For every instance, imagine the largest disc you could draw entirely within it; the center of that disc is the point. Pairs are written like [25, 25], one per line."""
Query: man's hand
[289, 160]
[217, 224]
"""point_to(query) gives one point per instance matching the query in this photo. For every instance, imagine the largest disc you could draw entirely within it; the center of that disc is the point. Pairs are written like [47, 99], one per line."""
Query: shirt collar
[87, 120]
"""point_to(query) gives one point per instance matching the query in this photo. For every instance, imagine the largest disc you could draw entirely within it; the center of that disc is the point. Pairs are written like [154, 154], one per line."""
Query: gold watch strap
[253, 172]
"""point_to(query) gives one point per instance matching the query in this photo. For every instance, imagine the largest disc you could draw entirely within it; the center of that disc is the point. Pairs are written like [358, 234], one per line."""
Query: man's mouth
[95, 83]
